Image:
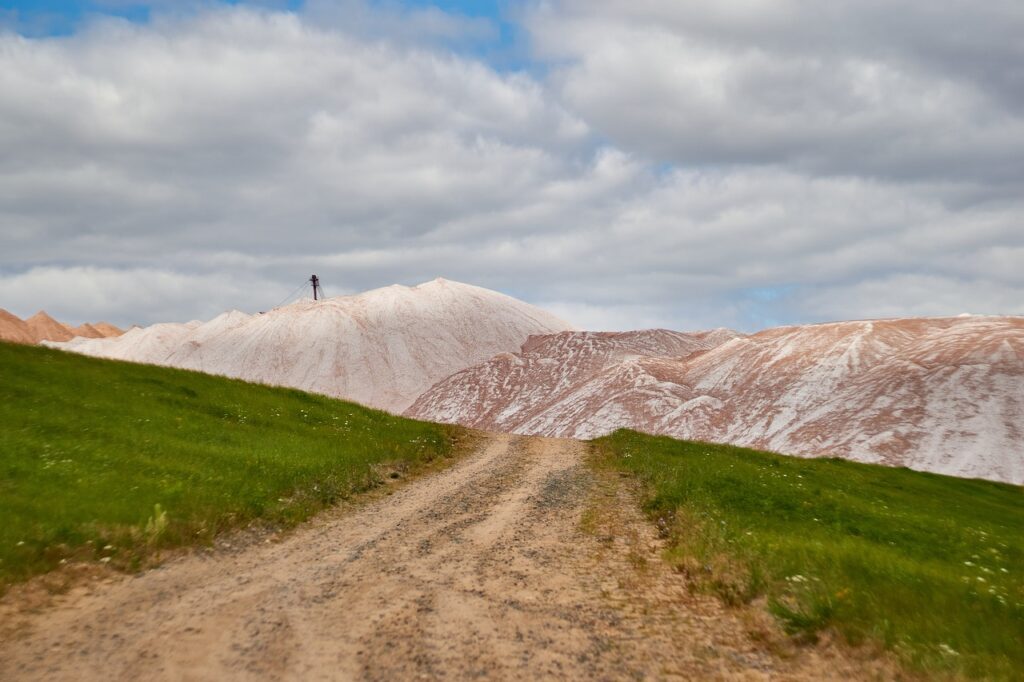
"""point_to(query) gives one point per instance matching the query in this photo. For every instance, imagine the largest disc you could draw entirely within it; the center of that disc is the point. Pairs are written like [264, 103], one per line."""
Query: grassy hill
[928, 566]
[109, 461]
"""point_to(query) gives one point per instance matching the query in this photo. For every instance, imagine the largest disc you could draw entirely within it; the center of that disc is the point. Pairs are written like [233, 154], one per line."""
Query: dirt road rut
[478, 571]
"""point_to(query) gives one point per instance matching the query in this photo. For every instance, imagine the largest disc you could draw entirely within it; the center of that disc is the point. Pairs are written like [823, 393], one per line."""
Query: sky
[624, 164]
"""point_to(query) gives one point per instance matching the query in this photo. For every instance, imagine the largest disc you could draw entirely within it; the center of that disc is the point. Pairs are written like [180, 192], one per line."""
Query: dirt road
[479, 571]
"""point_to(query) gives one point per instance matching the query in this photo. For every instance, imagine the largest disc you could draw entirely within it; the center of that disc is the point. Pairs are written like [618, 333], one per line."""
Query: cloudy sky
[625, 163]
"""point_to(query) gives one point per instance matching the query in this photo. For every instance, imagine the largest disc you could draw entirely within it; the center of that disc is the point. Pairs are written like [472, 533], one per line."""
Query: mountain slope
[943, 395]
[14, 329]
[555, 380]
[45, 328]
[381, 348]
[106, 329]
[87, 331]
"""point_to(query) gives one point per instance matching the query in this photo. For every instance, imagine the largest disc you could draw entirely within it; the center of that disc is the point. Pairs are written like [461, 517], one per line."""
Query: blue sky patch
[38, 18]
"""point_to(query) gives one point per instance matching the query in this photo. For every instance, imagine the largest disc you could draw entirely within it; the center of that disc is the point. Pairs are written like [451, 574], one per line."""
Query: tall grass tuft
[156, 525]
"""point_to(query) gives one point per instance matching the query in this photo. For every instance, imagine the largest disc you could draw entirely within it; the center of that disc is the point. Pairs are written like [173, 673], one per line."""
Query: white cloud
[89, 294]
[235, 128]
[610, 317]
[224, 154]
[918, 295]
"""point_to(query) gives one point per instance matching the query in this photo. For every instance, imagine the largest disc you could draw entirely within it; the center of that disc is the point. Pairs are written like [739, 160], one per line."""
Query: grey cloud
[907, 91]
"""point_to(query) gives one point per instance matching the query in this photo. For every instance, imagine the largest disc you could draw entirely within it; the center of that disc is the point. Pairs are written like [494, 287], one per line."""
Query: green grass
[89, 447]
[927, 566]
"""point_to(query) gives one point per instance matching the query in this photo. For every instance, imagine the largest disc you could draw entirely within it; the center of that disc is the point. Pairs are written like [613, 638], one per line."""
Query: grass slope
[89, 447]
[928, 566]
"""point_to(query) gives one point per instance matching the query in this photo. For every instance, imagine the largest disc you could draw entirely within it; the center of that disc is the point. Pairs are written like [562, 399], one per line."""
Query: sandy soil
[517, 562]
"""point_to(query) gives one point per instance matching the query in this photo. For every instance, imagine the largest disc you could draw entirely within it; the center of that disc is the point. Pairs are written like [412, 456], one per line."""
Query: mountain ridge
[381, 348]
[42, 327]
[937, 394]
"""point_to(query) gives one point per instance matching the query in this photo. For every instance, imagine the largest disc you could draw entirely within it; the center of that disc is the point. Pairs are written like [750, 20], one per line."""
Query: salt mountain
[381, 348]
[942, 395]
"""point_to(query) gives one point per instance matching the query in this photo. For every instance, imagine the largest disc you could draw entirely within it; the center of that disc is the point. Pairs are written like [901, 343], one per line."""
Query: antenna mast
[317, 291]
